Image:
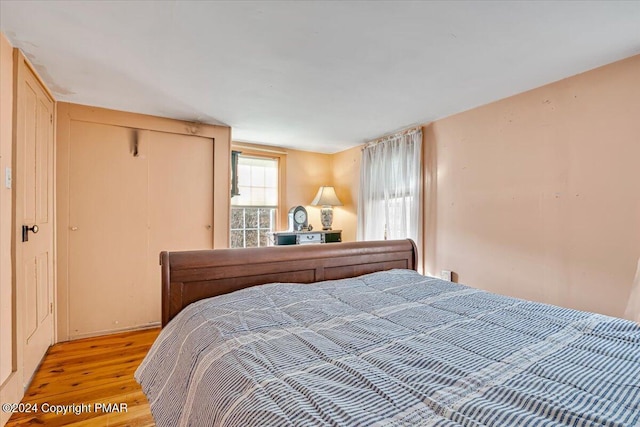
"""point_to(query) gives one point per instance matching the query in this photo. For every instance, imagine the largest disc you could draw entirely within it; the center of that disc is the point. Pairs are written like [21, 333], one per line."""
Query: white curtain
[390, 188]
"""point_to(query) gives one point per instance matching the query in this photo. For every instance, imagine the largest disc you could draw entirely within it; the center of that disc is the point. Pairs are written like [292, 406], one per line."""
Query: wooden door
[132, 193]
[180, 200]
[34, 209]
[180, 191]
[107, 229]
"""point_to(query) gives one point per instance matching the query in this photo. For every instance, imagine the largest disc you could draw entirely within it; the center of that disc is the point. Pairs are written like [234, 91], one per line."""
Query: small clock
[298, 218]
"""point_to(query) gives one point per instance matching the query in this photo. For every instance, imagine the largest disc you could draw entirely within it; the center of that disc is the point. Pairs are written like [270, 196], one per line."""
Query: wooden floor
[88, 372]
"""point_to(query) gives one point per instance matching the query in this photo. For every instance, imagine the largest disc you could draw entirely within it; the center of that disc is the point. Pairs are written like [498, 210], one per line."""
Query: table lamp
[326, 198]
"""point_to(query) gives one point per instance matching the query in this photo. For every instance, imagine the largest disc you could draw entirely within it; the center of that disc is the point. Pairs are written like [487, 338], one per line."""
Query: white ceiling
[318, 76]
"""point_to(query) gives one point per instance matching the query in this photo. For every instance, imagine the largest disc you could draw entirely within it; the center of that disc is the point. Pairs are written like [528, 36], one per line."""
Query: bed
[350, 334]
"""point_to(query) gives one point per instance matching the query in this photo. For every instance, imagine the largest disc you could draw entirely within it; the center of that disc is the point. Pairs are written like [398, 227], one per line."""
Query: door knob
[26, 229]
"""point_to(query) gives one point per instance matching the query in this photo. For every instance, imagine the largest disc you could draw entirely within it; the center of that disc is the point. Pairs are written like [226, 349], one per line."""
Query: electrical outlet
[445, 275]
[7, 177]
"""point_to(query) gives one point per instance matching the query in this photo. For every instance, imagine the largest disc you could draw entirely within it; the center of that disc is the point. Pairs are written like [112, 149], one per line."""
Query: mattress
[391, 348]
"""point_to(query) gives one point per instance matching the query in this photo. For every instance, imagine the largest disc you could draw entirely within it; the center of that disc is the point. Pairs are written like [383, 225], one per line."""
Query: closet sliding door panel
[132, 194]
[108, 216]
[180, 200]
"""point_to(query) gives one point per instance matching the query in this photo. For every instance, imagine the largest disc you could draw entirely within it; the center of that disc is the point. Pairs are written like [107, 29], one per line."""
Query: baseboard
[113, 331]
[11, 391]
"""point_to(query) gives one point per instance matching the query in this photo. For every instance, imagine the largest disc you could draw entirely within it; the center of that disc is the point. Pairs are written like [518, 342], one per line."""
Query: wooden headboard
[189, 276]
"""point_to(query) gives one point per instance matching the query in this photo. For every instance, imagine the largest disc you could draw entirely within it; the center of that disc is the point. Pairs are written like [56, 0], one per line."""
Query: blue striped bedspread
[391, 348]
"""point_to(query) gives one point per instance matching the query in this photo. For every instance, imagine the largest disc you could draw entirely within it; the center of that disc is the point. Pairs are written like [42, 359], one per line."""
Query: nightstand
[279, 238]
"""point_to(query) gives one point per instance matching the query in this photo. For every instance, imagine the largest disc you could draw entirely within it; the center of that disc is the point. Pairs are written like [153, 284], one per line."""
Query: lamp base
[326, 217]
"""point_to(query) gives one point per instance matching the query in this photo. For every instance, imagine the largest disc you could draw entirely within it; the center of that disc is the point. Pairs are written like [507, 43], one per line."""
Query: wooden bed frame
[189, 276]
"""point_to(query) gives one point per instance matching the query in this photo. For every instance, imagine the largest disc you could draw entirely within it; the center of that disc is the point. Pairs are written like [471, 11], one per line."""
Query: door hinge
[51, 308]
[51, 118]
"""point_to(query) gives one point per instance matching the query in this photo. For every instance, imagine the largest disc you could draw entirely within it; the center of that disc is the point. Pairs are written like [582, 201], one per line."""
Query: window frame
[267, 153]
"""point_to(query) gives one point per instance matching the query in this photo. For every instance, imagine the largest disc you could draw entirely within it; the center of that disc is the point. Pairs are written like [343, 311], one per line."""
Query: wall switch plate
[7, 177]
[445, 275]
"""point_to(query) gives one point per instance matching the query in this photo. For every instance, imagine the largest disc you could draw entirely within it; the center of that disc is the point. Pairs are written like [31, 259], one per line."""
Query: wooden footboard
[189, 276]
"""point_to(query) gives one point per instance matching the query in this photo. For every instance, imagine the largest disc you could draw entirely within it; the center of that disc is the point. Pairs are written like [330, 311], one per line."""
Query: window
[254, 209]
[390, 188]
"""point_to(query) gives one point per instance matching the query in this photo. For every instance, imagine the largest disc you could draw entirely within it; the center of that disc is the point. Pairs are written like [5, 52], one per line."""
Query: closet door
[180, 201]
[133, 193]
[108, 213]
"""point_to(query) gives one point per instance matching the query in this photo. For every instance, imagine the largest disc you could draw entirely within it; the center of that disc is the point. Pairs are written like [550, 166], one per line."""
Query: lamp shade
[326, 197]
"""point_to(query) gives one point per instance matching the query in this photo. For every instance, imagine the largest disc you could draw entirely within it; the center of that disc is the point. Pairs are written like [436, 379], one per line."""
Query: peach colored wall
[6, 211]
[538, 195]
[306, 172]
[346, 179]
